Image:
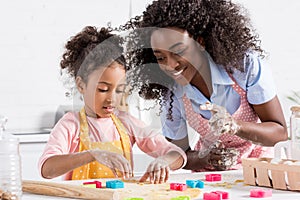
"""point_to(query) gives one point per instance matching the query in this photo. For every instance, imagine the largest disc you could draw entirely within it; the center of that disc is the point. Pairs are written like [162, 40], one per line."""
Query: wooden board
[67, 190]
[131, 189]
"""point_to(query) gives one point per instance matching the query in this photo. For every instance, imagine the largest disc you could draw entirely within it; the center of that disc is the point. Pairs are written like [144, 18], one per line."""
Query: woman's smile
[178, 71]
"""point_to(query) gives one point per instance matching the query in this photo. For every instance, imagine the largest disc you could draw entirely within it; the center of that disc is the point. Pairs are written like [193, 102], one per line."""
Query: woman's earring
[200, 40]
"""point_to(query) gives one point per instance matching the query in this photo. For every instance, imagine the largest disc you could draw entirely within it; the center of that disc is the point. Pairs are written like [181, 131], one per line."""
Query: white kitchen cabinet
[30, 153]
[32, 144]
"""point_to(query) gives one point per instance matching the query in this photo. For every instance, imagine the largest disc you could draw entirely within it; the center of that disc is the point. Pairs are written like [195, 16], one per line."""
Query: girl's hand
[158, 171]
[114, 161]
[221, 121]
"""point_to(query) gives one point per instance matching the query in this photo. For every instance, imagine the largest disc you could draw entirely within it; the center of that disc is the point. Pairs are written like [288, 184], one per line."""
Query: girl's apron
[244, 113]
[94, 169]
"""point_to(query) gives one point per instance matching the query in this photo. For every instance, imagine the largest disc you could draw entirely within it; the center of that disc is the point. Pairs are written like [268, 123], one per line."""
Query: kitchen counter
[231, 183]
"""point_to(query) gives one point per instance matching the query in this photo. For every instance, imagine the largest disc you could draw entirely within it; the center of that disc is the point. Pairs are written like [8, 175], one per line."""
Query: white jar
[10, 165]
[292, 146]
[295, 124]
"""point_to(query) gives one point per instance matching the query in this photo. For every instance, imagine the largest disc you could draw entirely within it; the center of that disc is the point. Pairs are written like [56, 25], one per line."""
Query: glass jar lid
[295, 108]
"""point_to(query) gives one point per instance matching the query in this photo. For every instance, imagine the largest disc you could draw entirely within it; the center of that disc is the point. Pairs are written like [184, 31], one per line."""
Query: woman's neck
[202, 81]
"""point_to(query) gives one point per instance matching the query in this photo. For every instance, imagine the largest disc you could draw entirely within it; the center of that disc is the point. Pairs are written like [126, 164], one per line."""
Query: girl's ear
[80, 84]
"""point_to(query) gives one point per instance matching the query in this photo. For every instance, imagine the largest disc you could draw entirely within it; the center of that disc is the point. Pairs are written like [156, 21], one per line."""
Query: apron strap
[88, 171]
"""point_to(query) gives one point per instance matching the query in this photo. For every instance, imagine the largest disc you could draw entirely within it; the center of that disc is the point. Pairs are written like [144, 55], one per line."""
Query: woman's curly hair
[91, 49]
[224, 26]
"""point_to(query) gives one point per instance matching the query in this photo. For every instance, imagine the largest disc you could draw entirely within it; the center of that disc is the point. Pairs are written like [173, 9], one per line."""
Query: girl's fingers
[150, 171]
[144, 177]
[162, 175]
[127, 170]
[151, 176]
[130, 170]
[157, 175]
[120, 166]
[167, 173]
[113, 169]
[157, 171]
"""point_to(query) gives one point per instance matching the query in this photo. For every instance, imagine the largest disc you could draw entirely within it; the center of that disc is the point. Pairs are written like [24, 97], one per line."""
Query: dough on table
[148, 191]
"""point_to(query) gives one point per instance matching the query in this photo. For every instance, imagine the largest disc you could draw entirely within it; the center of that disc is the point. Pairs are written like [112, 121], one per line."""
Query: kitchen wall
[279, 28]
[33, 33]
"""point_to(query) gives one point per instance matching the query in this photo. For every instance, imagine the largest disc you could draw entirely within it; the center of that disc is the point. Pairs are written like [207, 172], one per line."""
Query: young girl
[209, 53]
[97, 142]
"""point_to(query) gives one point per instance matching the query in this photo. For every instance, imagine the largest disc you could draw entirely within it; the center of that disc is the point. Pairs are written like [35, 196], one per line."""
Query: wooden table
[231, 183]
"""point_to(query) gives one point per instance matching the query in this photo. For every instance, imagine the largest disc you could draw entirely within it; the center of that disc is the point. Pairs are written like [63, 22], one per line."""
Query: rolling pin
[68, 190]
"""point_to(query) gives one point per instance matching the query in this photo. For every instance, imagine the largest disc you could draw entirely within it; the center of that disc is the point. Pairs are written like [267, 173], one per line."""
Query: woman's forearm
[272, 128]
[194, 162]
[60, 164]
[266, 133]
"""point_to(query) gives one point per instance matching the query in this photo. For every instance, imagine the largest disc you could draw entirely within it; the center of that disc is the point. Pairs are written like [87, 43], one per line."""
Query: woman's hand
[114, 161]
[158, 171]
[222, 158]
[221, 121]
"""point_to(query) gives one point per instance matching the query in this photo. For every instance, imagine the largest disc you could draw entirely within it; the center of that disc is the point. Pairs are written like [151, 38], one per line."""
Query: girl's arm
[272, 129]
[59, 156]
[193, 160]
[174, 159]
[58, 165]
[167, 156]
[158, 147]
[158, 170]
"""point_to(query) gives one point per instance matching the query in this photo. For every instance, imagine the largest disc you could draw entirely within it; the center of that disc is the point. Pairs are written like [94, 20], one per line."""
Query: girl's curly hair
[91, 49]
[224, 26]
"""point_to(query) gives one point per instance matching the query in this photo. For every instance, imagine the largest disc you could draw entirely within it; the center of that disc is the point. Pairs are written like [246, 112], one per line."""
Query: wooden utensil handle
[68, 190]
